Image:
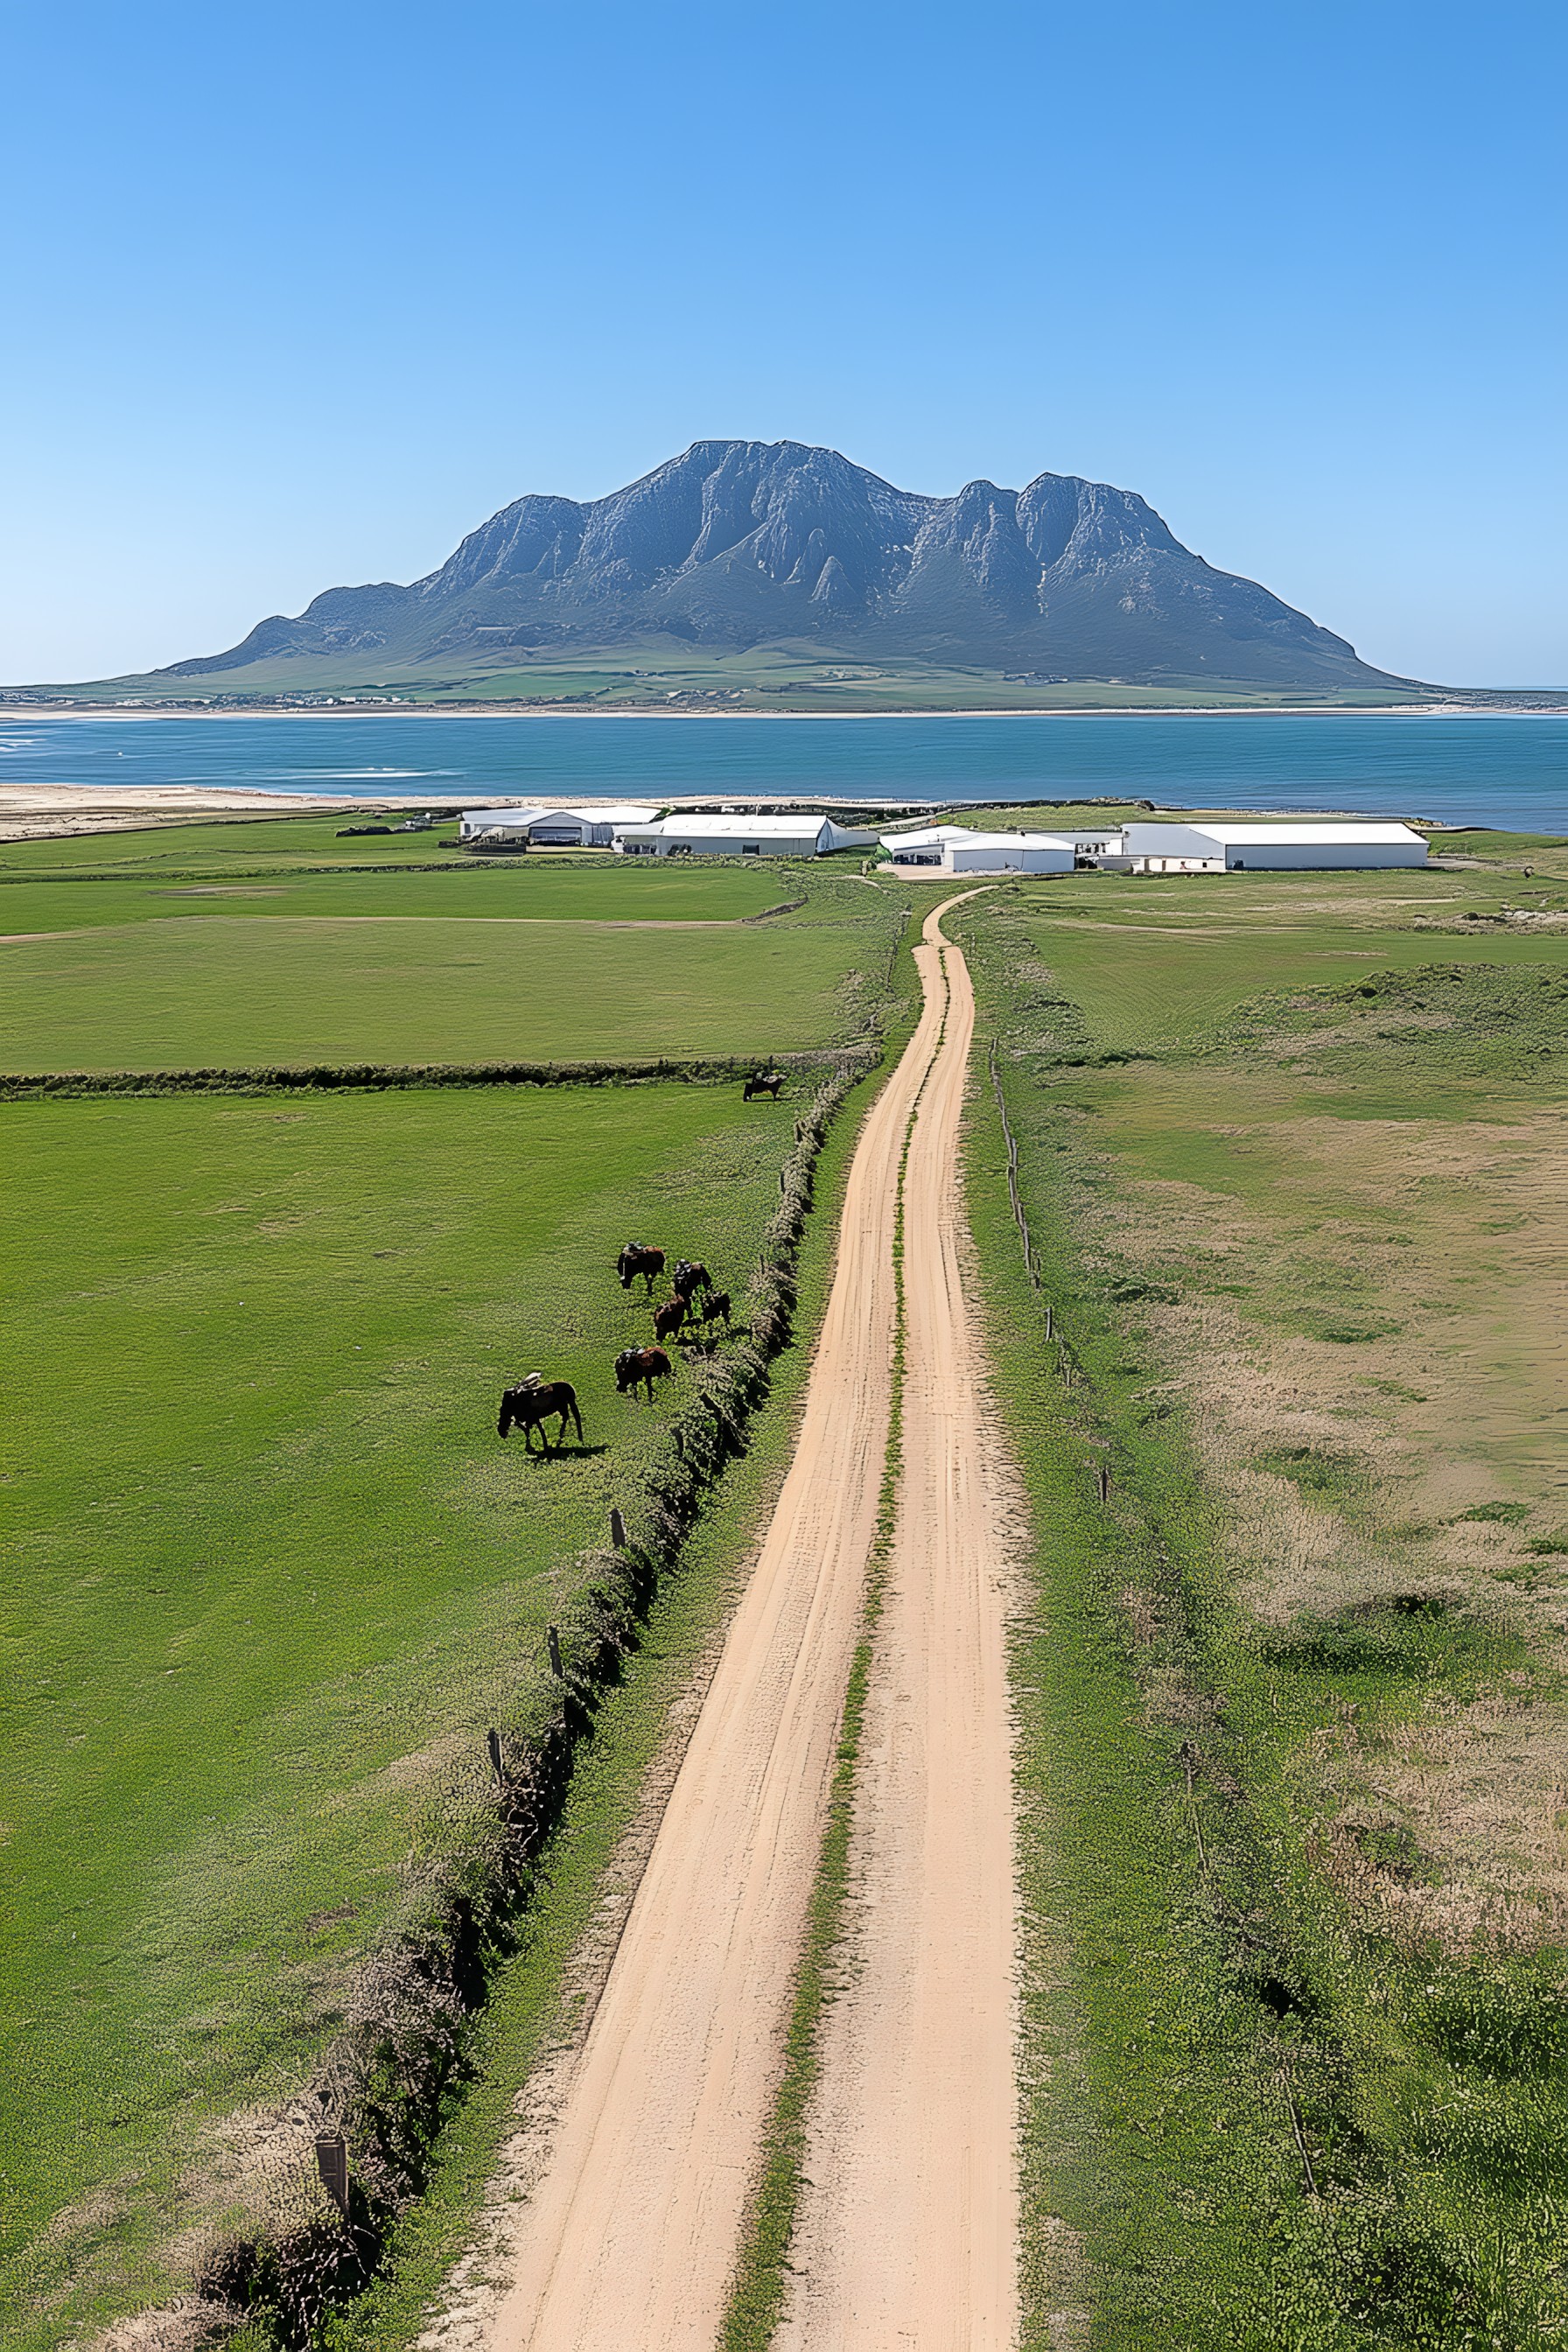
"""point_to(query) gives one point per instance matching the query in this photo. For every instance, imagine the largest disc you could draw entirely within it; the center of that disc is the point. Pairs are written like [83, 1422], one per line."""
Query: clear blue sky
[299, 294]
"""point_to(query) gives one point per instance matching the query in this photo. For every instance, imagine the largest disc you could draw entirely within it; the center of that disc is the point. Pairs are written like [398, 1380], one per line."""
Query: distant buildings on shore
[1198, 846]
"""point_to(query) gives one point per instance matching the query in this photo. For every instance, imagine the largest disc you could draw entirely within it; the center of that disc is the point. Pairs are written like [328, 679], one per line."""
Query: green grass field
[221, 990]
[519, 893]
[277, 1572]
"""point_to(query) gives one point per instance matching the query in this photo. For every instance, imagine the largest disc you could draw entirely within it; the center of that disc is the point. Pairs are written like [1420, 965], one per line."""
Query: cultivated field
[1293, 1157]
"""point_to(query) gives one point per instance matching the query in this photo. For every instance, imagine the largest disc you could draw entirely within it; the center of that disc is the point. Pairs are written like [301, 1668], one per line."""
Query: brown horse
[688, 1279]
[534, 1401]
[641, 1367]
[637, 1258]
[669, 1318]
[763, 1082]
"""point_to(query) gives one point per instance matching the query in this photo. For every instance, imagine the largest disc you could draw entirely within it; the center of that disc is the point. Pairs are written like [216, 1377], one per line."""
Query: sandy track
[628, 2242]
[907, 2227]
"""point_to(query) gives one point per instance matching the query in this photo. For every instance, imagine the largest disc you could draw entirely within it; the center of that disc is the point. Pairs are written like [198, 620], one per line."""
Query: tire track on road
[907, 2226]
[628, 2242]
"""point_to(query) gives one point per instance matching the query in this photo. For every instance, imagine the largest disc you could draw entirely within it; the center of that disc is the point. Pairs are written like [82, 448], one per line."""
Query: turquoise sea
[1505, 772]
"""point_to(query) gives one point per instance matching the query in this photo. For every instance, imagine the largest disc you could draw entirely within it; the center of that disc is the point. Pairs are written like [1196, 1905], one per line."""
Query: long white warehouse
[1222, 847]
[959, 849]
[739, 837]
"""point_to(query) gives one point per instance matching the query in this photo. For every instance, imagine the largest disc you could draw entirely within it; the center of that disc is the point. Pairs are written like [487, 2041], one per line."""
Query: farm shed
[959, 849]
[501, 827]
[1223, 847]
[590, 826]
[593, 827]
[740, 837]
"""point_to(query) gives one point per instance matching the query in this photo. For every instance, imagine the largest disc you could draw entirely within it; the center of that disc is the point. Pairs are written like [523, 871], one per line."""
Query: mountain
[738, 544]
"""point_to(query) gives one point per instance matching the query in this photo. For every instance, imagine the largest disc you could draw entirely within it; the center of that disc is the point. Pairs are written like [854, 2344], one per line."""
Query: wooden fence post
[492, 1744]
[618, 1531]
[332, 2163]
[553, 1637]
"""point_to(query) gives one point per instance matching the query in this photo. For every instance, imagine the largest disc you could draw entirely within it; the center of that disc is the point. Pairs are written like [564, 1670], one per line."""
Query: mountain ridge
[738, 544]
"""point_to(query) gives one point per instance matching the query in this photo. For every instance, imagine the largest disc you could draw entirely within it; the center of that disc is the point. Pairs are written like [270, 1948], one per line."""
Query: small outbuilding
[959, 849]
[496, 828]
[1213, 846]
[589, 825]
[739, 837]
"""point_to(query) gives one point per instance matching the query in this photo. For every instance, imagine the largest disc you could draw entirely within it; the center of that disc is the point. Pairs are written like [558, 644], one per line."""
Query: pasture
[518, 892]
[277, 1573]
[305, 841]
[1291, 1711]
[260, 988]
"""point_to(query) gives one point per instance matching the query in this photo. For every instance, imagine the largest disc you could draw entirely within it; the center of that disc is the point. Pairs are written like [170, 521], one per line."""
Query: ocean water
[1505, 772]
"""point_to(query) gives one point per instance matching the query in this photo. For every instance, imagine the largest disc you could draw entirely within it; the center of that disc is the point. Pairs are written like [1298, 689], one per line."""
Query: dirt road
[628, 2242]
[907, 2230]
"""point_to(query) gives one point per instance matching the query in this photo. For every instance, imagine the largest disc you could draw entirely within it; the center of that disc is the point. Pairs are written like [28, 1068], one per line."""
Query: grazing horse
[688, 1279]
[637, 1258]
[641, 1367]
[763, 1082]
[715, 1306]
[534, 1401]
[669, 1318]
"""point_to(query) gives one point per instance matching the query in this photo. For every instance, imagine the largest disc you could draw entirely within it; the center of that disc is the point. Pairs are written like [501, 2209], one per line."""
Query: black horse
[534, 1401]
[763, 1082]
[637, 1258]
[714, 1308]
[641, 1367]
[688, 1279]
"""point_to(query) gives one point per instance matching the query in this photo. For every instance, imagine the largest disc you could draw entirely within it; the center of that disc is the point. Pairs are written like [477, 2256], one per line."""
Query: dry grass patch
[1420, 1462]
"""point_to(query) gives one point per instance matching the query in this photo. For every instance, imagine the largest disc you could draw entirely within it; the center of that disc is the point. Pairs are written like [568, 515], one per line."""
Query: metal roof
[743, 828]
[1283, 833]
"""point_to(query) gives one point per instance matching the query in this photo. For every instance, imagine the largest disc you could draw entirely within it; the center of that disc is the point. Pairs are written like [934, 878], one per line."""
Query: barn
[740, 837]
[959, 849]
[1214, 847]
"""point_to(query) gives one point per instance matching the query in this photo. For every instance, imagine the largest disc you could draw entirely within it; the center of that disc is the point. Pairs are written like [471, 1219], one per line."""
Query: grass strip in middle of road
[757, 2298]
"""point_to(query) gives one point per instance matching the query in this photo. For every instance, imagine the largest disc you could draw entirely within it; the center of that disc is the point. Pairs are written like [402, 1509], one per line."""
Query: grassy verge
[1273, 2097]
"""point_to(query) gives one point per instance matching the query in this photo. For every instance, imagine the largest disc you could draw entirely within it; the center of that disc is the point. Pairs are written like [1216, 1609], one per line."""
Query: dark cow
[763, 1082]
[641, 1367]
[534, 1401]
[669, 1318]
[689, 1279]
[637, 1258]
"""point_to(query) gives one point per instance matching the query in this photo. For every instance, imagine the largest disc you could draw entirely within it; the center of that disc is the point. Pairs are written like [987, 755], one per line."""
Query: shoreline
[21, 713]
[43, 812]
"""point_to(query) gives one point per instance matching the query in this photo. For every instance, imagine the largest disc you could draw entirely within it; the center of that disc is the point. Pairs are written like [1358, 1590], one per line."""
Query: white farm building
[739, 837]
[959, 849]
[591, 826]
[1207, 846]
